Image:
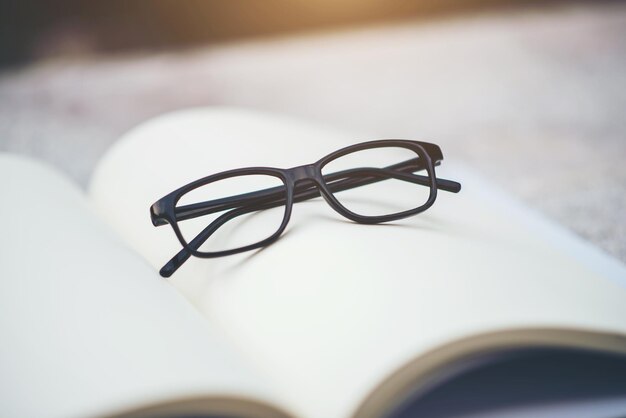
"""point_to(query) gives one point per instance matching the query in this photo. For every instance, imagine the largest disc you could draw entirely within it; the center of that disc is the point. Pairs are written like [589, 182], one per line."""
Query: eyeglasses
[248, 208]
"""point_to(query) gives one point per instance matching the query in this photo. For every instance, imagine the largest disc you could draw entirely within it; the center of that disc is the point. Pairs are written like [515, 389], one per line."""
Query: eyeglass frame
[164, 210]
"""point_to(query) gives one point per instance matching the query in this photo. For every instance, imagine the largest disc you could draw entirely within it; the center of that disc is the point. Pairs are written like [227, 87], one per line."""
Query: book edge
[422, 372]
[198, 405]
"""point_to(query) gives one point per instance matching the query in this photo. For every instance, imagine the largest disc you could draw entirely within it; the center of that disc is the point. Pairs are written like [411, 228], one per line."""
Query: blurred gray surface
[532, 98]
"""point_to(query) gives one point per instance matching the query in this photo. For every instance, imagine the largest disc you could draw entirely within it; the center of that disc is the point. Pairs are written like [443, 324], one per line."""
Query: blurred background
[35, 28]
[530, 94]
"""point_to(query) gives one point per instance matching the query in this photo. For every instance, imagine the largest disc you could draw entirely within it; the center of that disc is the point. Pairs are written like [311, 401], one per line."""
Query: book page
[333, 308]
[88, 328]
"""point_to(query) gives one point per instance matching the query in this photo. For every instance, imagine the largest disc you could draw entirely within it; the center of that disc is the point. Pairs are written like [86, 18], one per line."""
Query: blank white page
[87, 327]
[333, 307]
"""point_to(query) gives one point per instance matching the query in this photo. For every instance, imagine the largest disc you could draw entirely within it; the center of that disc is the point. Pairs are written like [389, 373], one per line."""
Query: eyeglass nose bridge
[307, 177]
[304, 172]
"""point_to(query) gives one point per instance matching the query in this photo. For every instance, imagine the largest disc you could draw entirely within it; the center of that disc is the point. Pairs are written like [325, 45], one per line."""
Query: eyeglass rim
[174, 197]
[388, 143]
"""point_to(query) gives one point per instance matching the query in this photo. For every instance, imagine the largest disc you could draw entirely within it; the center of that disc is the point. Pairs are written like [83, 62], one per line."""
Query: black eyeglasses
[240, 210]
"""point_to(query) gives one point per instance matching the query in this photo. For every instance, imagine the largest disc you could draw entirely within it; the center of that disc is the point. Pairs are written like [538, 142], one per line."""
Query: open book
[334, 320]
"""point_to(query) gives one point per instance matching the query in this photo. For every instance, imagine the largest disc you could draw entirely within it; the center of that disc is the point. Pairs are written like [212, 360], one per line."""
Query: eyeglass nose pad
[326, 195]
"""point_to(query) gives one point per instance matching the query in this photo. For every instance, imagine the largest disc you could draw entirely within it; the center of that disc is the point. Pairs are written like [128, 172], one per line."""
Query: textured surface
[534, 99]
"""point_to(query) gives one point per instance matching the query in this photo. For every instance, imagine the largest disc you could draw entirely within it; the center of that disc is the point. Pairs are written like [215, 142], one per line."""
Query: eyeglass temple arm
[270, 200]
[348, 179]
[183, 255]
